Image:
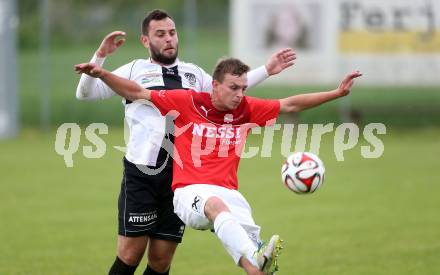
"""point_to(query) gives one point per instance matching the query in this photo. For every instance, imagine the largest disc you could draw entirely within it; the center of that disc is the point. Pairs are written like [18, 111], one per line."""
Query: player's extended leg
[200, 206]
[130, 252]
[249, 267]
[160, 255]
[236, 240]
[230, 232]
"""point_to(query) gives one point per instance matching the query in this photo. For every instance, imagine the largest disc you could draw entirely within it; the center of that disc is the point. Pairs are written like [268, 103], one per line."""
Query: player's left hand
[347, 82]
[280, 60]
[91, 69]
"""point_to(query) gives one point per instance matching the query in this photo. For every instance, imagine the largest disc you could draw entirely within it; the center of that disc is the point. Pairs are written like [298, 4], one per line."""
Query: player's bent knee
[160, 254]
[160, 262]
[131, 250]
[130, 258]
[214, 206]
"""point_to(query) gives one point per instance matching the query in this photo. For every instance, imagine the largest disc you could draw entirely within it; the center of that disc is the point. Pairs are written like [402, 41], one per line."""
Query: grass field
[372, 216]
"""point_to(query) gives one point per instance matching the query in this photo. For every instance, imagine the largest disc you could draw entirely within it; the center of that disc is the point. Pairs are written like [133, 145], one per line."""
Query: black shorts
[146, 205]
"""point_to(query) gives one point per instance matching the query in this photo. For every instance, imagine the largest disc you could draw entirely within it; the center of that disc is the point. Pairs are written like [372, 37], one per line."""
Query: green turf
[372, 216]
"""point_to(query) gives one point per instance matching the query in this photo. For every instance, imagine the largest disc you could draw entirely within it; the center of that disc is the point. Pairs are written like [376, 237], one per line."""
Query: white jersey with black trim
[146, 124]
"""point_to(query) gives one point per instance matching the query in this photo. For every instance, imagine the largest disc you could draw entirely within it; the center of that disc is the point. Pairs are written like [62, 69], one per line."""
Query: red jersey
[208, 142]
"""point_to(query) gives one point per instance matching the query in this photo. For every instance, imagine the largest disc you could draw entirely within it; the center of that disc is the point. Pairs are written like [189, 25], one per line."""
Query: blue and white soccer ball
[303, 172]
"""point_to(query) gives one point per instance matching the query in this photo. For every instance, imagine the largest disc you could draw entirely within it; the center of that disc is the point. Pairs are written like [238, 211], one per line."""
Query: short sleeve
[170, 100]
[263, 112]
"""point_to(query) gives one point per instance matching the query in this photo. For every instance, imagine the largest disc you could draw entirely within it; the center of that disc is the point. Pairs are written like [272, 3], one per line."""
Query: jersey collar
[167, 66]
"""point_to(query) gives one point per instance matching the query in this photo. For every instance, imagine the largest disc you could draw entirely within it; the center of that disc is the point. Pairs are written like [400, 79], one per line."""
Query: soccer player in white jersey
[205, 180]
[146, 218]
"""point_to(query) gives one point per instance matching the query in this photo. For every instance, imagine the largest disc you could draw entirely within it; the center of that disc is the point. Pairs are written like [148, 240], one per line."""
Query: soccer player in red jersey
[211, 129]
[147, 223]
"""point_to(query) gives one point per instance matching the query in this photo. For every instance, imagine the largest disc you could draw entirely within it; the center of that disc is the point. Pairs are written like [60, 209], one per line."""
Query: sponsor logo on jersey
[181, 229]
[169, 71]
[205, 110]
[154, 71]
[228, 118]
[211, 131]
[162, 93]
[146, 80]
[191, 79]
[197, 204]
[152, 80]
[142, 217]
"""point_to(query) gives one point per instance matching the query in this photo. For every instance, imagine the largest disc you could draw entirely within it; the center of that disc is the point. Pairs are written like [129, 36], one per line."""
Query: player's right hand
[280, 60]
[92, 69]
[111, 43]
[347, 82]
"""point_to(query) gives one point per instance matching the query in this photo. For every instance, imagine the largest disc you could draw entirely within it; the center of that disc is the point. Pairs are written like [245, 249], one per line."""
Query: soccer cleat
[267, 255]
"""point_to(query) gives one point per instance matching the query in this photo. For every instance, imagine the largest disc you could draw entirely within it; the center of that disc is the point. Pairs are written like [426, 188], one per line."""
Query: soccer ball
[303, 172]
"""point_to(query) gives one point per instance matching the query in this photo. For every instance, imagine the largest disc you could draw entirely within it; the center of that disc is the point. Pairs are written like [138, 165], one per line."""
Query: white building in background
[8, 69]
[394, 42]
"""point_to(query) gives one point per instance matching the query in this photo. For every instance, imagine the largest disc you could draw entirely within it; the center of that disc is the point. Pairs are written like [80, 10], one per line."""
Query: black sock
[121, 268]
[150, 271]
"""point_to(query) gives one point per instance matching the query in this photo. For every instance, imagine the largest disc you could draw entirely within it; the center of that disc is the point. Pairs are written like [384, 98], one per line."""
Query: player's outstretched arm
[276, 63]
[301, 102]
[124, 87]
[110, 43]
[90, 88]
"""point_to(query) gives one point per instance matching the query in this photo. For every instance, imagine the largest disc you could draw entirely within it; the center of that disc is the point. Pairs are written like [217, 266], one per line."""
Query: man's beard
[160, 58]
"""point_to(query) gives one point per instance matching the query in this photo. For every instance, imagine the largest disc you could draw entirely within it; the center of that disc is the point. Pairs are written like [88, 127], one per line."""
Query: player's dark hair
[232, 66]
[153, 15]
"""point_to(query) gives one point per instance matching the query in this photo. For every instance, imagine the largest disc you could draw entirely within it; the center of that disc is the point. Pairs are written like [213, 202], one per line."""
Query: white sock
[234, 237]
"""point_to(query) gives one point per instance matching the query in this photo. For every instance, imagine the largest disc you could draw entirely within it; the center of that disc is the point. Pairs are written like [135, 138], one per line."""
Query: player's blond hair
[232, 66]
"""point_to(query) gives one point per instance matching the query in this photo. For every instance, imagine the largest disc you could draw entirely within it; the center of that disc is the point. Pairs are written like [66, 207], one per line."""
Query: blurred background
[373, 216]
[53, 35]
